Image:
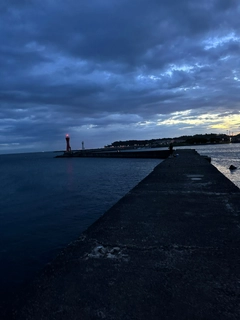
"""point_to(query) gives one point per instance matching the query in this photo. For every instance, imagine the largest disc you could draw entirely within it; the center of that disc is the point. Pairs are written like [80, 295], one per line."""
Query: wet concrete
[169, 249]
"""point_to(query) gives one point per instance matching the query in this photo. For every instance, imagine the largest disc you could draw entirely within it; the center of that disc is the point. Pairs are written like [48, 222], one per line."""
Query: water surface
[45, 203]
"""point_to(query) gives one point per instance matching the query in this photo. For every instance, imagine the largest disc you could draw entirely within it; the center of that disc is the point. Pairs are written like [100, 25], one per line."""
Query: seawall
[169, 249]
[153, 154]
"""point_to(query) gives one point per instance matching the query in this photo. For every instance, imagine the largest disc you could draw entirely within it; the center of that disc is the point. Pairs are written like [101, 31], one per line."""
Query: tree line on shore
[211, 138]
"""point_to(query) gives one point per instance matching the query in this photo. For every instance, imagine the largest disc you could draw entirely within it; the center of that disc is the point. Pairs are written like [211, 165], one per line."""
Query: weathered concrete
[168, 250]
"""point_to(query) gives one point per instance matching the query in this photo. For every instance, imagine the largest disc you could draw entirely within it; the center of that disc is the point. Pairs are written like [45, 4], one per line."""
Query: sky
[109, 70]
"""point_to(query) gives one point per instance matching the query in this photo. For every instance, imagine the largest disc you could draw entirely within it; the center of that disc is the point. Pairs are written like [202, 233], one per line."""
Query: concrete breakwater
[169, 249]
[153, 154]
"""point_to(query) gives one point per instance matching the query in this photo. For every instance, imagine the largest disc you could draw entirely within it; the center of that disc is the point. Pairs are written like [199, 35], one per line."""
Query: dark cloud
[113, 70]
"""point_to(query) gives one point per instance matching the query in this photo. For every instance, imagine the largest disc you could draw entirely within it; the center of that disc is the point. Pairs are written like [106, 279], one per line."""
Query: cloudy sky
[107, 70]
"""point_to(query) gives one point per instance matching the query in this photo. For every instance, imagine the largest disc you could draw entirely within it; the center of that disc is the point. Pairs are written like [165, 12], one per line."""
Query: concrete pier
[152, 154]
[169, 249]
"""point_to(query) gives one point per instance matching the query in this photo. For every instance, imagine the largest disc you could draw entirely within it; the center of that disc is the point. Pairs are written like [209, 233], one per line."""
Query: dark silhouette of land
[197, 139]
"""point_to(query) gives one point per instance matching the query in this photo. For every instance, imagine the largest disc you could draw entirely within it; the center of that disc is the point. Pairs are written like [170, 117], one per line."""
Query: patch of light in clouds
[214, 42]
[209, 120]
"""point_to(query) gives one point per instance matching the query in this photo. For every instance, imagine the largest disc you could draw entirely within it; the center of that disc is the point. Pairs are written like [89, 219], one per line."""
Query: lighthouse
[68, 148]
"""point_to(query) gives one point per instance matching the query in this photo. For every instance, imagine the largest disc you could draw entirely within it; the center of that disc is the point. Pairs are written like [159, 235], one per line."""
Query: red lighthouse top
[68, 148]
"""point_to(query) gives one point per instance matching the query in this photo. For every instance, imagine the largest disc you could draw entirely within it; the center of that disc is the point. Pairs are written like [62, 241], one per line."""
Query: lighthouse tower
[68, 148]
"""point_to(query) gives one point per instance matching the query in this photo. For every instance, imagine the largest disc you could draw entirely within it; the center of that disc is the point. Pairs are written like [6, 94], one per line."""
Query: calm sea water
[45, 203]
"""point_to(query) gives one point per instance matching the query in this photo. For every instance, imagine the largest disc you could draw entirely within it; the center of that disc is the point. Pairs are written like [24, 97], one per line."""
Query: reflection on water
[70, 175]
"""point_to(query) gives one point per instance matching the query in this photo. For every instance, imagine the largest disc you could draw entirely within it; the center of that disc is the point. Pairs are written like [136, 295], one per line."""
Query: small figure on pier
[171, 149]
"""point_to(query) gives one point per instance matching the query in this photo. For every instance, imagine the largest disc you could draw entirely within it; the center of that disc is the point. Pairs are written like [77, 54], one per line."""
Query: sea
[47, 202]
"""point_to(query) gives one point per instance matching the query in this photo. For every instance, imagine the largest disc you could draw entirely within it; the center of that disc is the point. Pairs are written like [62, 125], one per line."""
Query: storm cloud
[115, 70]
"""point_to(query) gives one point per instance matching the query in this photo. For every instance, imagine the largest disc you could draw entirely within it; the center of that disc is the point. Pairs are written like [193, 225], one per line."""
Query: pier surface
[169, 249]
